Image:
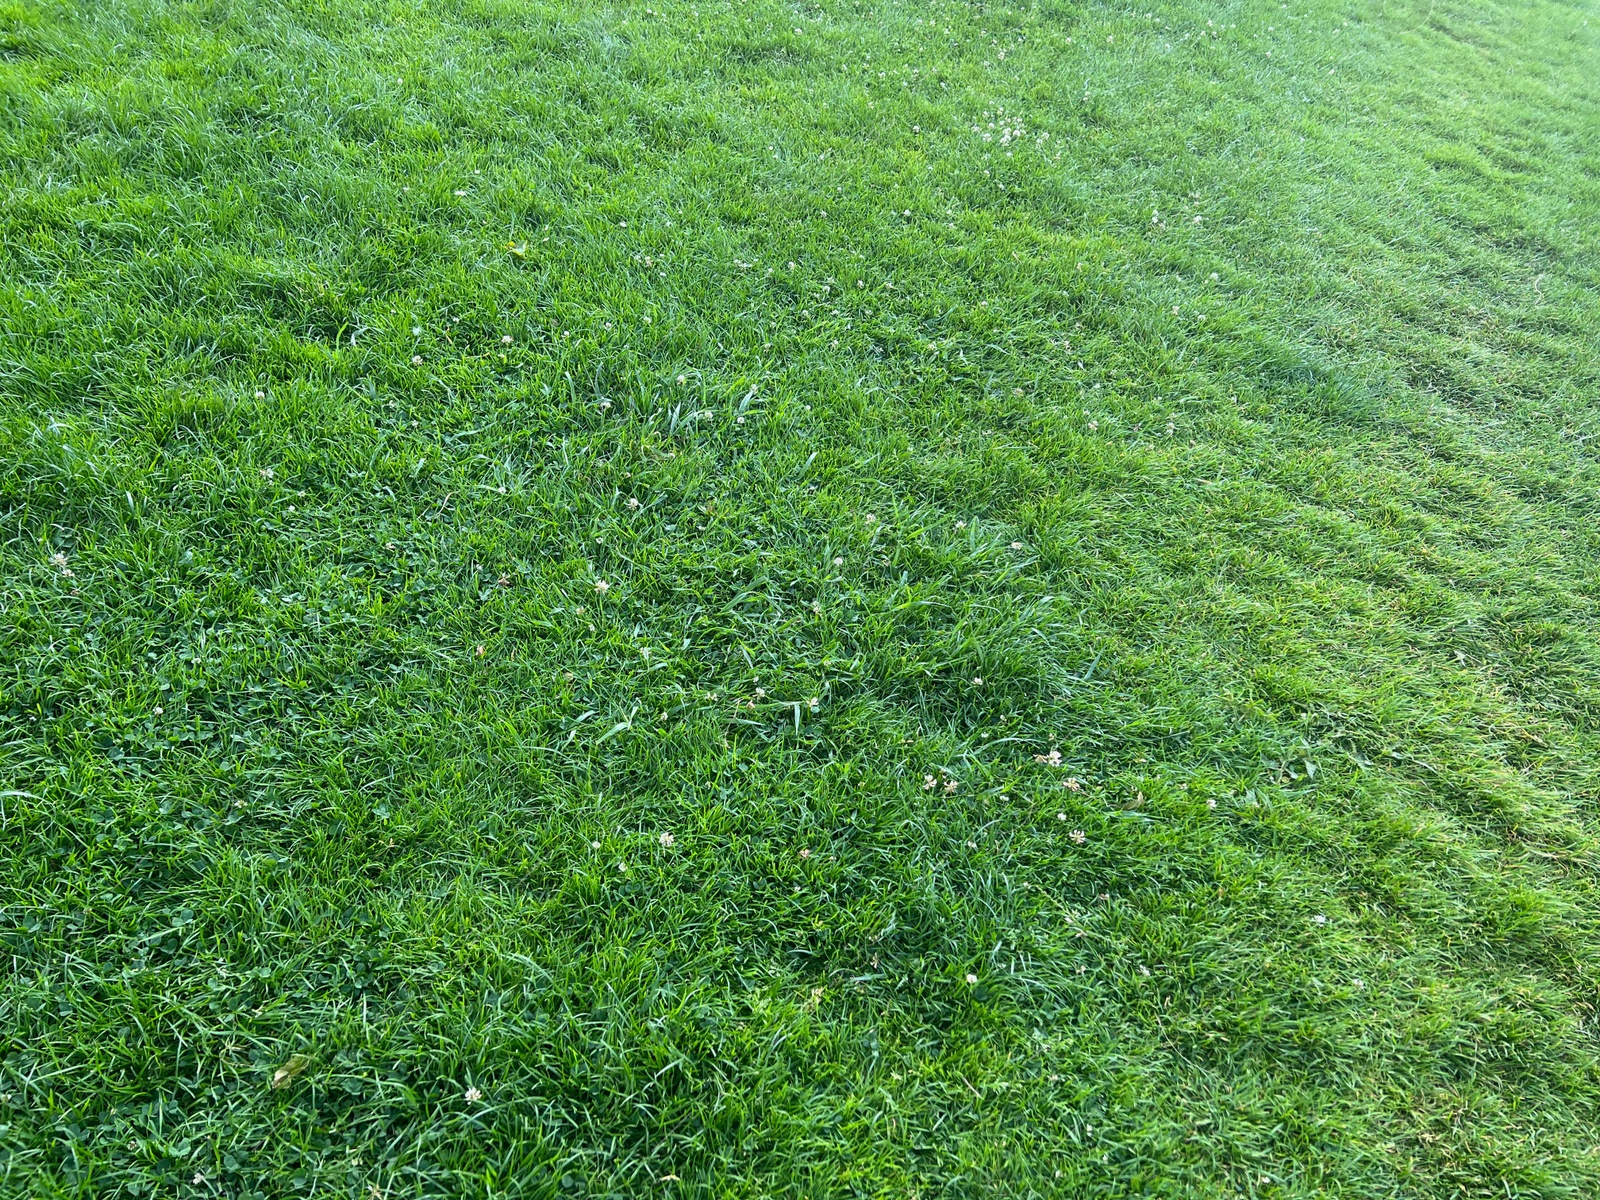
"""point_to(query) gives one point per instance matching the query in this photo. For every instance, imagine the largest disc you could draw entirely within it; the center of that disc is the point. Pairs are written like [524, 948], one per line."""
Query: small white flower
[473, 1095]
[601, 586]
[416, 360]
[667, 839]
[971, 978]
[1078, 837]
[260, 395]
[594, 845]
[929, 783]
[461, 191]
[805, 853]
[1016, 545]
[977, 681]
[158, 710]
[838, 562]
[1319, 919]
[505, 339]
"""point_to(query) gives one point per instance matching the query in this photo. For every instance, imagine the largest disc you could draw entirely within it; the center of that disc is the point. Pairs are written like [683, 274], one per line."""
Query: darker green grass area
[799, 600]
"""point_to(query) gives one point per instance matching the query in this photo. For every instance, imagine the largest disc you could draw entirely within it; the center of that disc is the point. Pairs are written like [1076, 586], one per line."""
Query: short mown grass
[829, 599]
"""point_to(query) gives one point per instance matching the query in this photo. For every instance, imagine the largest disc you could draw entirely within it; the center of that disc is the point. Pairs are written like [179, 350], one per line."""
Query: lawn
[828, 599]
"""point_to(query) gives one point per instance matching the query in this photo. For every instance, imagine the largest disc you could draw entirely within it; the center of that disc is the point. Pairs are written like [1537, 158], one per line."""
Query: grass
[799, 600]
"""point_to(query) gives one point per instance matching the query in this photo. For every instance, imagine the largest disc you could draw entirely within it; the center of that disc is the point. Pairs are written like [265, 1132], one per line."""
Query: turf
[799, 600]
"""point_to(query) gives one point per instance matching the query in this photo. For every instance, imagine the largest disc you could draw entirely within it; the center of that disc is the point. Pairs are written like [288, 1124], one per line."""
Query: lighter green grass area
[799, 600]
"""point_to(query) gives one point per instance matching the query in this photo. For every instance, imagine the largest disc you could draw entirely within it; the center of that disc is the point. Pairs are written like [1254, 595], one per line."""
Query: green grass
[1235, 442]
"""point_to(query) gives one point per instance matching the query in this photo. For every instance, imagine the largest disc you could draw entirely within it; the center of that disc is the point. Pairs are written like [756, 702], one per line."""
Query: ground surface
[820, 600]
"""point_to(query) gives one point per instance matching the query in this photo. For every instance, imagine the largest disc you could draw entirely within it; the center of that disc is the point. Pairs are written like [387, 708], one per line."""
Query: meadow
[917, 599]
